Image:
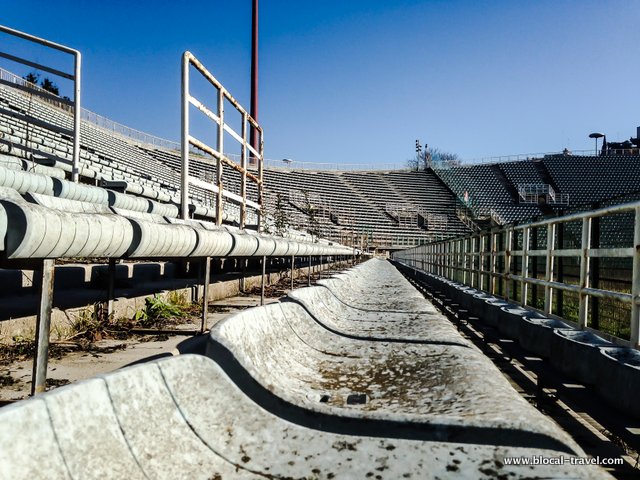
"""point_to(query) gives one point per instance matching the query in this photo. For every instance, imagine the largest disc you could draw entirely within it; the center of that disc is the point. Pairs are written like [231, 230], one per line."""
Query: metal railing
[288, 164]
[520, 157]
[532, 192]
[248, 123]
[494, 262]
[75, 77]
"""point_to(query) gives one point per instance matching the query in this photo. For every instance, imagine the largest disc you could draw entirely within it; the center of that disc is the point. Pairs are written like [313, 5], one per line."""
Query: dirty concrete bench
[183, 418]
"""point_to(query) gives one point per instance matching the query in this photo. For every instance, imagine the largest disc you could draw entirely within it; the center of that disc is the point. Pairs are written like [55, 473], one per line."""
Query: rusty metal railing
[485, 259]
[75, 77]
[187, 141]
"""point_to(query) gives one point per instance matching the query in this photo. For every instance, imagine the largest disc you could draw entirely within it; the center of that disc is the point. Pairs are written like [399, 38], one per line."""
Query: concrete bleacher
[521, 172]
[357, 201]
[285, 397]
[479, 182]
[589, 180]
[39, 132]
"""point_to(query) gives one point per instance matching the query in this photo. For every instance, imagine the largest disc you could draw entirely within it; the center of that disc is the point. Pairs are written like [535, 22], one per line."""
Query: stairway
[506, 183]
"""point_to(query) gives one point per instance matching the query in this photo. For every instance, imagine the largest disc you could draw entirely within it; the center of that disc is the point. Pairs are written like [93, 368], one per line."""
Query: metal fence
[577, 267]
[250, 154]
[75, 77]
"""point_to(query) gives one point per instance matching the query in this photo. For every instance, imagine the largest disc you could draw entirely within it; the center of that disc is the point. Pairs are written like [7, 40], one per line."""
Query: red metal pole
[254, 72]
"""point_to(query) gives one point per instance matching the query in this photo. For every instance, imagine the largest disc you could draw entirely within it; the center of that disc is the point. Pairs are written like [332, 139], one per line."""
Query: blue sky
[358, 81]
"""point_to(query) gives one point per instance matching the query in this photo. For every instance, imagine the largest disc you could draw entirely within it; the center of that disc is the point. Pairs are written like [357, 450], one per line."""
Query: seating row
[286, 397]
[614, 371]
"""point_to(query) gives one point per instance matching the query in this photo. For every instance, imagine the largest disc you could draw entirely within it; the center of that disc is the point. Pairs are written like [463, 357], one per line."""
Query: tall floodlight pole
[254, 72]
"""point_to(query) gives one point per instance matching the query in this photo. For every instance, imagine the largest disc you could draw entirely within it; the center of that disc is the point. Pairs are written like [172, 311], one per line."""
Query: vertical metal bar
[493, 260]
[635, 283]
[465, 257]
[205, 293]
[111, 283]
[243, 179]
[261, 214]
[472, 260]
[309, 272]
[524, 286]
[508, 246]
[77, 111]
[219, 207]
[594, 271]
[560, 273]
[262, 282]
[293, 262]
[481, 261]
[549, 274]
[184, 139]
[320, 269]
[43, 325]
[452, 259]
[584, 272]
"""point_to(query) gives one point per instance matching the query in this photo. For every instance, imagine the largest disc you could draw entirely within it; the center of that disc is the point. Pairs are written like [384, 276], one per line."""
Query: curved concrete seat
[511, 318]
[449, 391]
[377, 285]
[79, 230]
[576, 353]
[32, 231]
[535, 334]
[73, 206]
[26, 182]
[183, 418]
[426, 326]
[39, 183]
[619, 378]
[16, 163]
[244, 243]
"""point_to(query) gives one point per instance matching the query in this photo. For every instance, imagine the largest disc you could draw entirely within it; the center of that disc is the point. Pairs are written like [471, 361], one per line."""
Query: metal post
[320, 269]
[261, 212]
[184, 139]
[584, 271]
[492, 265]
[472, 260]
[560, 275]
[549, 274]
[524, 286]
[111, 281]
[77, 111]
[635, 283]
[508, 245]
[243, 178]
[39, 376]
[309, 272]
[481, 261]
[262, 281]
[205, 293]
[465, 249]
[219, 206]
[594, 269]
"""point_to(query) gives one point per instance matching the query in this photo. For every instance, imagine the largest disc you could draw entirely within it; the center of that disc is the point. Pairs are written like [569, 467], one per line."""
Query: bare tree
[425, 159]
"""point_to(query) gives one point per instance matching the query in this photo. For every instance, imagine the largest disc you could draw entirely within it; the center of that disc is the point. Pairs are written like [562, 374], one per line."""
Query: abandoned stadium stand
[590, 180]
[286, 397]
[360, 202]
[35, 131]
